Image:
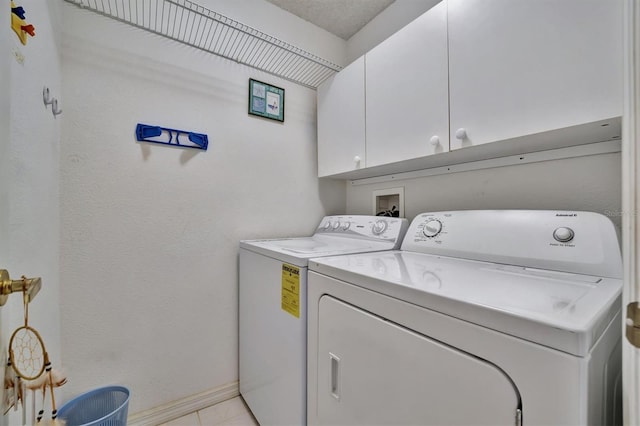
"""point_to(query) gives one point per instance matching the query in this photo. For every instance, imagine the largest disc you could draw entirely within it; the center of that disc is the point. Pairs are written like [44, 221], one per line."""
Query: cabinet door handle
[335, 376]
[356, 159]
[461, 133]
[434, 141]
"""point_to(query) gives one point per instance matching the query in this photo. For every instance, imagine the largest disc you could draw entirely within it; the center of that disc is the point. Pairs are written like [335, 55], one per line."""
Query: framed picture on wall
[266, 100]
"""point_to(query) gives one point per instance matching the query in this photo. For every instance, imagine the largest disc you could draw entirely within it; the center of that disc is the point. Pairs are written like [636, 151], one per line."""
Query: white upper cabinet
[518, 67]
[470, 72]
[341, 121]
[407, 99]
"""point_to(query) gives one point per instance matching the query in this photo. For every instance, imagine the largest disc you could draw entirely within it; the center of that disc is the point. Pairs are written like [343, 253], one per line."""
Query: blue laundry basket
[107, 406]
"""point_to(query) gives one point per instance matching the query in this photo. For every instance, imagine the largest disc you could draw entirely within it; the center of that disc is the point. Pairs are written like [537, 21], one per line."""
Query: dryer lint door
[372, 371]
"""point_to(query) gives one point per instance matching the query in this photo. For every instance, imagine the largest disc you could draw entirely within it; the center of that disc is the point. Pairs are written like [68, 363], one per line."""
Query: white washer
[273, 311]
[483, 318]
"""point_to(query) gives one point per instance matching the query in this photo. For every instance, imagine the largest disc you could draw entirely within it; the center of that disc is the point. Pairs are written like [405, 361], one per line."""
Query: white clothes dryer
[482, 318]
[273, 309]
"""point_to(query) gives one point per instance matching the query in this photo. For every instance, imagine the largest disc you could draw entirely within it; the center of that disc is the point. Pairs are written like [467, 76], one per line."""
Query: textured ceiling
[343, 18]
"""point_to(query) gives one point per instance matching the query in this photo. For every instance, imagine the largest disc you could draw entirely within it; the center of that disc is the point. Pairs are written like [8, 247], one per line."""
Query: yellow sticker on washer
[291, 289]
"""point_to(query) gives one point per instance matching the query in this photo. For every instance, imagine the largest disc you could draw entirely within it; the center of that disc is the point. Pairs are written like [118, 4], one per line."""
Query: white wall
[33, 175]
[390, 20]
[150, 233]
[587, 183]
[5, 141]
[5, 175]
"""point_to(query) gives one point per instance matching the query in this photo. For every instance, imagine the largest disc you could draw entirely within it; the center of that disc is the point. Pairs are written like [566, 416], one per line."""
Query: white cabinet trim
[608, 147]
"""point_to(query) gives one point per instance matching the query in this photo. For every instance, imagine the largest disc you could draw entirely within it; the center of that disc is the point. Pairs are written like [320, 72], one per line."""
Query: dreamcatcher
[30, 368]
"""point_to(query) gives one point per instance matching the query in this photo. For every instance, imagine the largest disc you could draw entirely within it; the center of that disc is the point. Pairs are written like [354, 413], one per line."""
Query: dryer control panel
[372, 227]
[567, 241]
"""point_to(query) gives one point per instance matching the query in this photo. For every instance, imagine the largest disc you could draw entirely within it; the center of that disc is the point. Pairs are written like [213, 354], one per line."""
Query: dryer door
[372, 371]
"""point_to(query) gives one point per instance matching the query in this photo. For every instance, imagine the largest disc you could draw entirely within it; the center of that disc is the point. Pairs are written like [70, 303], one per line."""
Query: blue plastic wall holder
[166, 136]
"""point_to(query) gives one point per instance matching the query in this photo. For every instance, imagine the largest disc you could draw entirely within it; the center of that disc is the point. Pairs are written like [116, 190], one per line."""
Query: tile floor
[231, 412]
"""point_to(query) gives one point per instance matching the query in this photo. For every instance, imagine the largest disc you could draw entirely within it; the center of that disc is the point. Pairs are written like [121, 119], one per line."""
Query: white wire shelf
[189, 23]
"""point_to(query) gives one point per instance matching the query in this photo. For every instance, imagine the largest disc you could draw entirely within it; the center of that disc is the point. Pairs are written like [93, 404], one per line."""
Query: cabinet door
[407, 91]
[518, 67]
[341, 137]
[373, 372]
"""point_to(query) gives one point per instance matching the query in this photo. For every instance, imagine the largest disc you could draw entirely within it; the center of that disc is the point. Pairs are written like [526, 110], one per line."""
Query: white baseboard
[182, 407]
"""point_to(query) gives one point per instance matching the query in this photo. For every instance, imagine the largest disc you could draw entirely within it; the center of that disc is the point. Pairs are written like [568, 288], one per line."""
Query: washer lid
[298, 250]
[564, 311]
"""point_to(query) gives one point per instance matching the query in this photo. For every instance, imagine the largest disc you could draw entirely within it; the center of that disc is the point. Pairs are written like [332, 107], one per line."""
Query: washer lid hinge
[518, 417]
[633, 324]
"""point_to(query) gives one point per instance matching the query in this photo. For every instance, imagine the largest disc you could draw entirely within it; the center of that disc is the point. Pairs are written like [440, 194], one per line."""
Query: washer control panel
[581, 242]
[432, 228]
[379, 226]
[376, 227]
[428, 228]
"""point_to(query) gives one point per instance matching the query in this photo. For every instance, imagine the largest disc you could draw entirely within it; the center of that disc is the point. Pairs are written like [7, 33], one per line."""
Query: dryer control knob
[336, 225]
[346, 226]
[432, 228]
[379, 227]
[563, 234]
[327, 226]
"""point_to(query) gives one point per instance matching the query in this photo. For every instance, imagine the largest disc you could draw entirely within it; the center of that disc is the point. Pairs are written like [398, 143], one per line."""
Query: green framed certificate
[266, 100]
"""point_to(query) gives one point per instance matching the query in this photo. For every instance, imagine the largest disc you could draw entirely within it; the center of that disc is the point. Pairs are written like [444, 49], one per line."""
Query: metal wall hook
[31, 286]
[54, 108]
[46, 96]
[48, 100]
